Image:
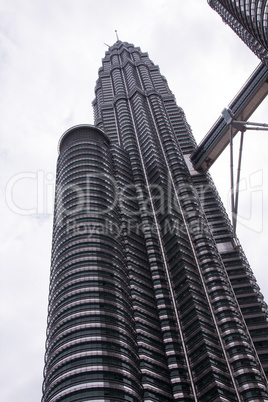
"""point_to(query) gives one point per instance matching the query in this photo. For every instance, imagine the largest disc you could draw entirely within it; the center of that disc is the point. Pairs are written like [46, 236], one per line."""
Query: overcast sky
[50, 54]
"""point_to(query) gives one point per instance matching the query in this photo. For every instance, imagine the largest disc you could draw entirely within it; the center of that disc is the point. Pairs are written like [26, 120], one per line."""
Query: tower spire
[116, 34]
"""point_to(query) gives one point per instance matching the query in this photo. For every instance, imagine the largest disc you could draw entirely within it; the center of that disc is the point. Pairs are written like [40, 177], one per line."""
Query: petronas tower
[151, 297]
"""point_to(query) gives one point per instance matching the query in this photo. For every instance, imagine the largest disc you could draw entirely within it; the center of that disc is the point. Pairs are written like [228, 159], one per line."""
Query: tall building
[151, 298]
[249, 20]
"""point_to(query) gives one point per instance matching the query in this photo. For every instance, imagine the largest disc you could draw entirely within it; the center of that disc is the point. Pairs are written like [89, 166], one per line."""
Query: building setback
[150, 297]
[249, 20]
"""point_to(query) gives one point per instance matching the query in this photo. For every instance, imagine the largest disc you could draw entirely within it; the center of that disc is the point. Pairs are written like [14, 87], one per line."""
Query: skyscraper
[249, 20]
[151, 298]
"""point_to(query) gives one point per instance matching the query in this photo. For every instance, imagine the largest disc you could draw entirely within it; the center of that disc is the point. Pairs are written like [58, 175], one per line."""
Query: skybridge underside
[239, 110]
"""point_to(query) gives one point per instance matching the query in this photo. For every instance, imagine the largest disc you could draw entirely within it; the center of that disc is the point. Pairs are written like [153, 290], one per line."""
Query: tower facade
[150, 297]
[249, 20]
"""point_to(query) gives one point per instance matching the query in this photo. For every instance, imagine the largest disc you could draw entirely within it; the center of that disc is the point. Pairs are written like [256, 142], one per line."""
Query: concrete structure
[249, 20]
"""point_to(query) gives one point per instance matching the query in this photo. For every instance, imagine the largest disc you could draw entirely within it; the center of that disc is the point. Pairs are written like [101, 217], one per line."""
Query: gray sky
[50, 54]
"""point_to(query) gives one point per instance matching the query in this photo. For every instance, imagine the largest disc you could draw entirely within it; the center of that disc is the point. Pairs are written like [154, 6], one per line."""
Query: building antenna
[106, 44]
[116, 34]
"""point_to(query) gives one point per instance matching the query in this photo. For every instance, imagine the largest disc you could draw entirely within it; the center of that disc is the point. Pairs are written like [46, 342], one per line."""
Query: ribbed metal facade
[150, 299]
[249, 20]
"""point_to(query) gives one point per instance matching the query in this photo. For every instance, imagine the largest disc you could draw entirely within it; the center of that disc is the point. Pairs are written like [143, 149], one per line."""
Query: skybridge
[238, 112]
[232, 120]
